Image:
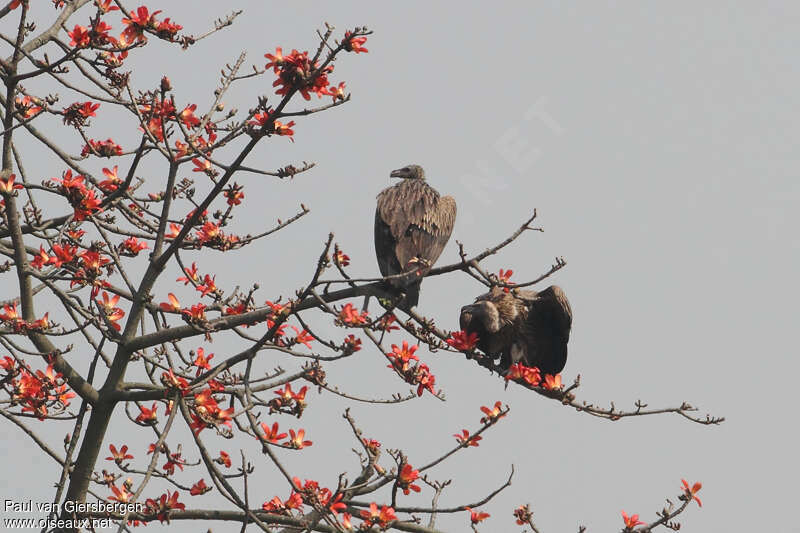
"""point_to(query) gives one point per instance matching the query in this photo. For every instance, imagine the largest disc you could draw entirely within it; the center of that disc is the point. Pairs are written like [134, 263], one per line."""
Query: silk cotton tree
[86, 320]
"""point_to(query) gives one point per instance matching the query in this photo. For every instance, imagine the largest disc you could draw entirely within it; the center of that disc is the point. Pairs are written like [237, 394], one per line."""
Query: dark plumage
[521, 326]
[412, 226]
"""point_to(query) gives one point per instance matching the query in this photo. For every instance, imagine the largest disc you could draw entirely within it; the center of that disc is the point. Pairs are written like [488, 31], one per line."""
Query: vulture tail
[412, 295]
[409, 296]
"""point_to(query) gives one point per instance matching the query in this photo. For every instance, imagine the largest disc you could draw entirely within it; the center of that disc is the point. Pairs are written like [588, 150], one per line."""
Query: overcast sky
[658, 143]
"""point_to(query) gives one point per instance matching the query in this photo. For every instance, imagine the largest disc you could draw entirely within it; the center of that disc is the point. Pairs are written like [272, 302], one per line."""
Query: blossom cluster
[415, 374]
[35, 391]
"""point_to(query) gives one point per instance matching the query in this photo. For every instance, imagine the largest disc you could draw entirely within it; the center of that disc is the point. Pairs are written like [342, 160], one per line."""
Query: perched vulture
[412, 226]
[521, 326]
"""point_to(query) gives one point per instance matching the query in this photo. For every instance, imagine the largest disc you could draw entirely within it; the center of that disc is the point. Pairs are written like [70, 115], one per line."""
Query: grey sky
[658, 143]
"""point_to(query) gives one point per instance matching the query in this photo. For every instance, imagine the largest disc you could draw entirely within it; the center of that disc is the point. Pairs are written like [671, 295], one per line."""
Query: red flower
[199, 488]
[75, 235]
[167, 29]
[112, 312]
[165, 503]
[476, 516]
[371, 444]
[208, 285]
[208, 232]
[503, 276]
[492, 415]
[76, 114]
[386, 323]
[173, 232]
[340, 258]
[280, 331]
[424, 380]
[528, 374]
[351, 344]
[107, 148]
[41, 259]
[271, 434]
[338, 92]
[87, 109]
[88, 205]
[79, 37]
[105, 5]
[692, 491]
[284, 129]
[181, 150]
[278, 309]
[234, 195]
[109, 303]
[296, 439]
[93, 262]
[27, 106]
[147, 416]
[303, 337]
[261, 119]
[202, 165]
[118, 456]
[173, 461]
[401, 357]
[191, 275]
[120, 495]
[133, 246]
[173, 306]
[552, 382]
[187, 116]
[354, 44]
[288, 395]
[99, 34]
[382, 517]
[169, 379]
[334, 504]
[10, 313]
[275, 61]
[7, 185]
[631, 521]
[523, 514]
[238, 309]
[463, 341]
[296, 72]
[64, 254]
[113, 60]
[406, 477]
[7, 364]
[351, 317]
[112, 183]
[224, 459]
[201, 361]
[62, 395]
[275, 505]
[136, 25]
[464, 438]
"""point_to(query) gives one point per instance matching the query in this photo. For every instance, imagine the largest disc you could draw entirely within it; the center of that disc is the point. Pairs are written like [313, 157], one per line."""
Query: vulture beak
[399, 173]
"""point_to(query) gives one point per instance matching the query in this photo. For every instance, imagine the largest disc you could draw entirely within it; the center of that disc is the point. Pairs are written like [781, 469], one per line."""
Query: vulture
[412, 226]
[521, 326]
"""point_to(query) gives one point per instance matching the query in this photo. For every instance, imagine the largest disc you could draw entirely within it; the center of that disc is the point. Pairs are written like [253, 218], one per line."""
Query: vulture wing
[547, 328]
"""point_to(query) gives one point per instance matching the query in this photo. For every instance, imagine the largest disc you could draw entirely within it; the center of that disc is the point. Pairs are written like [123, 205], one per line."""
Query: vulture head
[521, 326]
[409, 172]
[487, 314]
